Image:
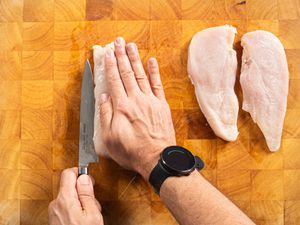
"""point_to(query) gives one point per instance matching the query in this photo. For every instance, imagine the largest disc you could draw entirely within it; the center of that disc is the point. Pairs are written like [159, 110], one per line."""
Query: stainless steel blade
[87, 152]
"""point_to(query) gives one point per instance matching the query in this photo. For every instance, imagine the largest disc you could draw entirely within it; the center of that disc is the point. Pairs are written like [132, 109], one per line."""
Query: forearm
[193, 200]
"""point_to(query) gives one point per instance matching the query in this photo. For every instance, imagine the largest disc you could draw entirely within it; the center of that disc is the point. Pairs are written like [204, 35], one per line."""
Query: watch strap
[199, 163]
[158, 176]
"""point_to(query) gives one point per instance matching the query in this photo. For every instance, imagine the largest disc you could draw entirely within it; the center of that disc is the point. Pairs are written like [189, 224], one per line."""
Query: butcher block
[43, 48]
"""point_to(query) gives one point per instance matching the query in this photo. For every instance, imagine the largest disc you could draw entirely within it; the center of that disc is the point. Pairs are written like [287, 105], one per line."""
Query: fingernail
[84, 179]
[131, 47]
[152, 61]
[109, 53]
[103, 98]
[119, 41]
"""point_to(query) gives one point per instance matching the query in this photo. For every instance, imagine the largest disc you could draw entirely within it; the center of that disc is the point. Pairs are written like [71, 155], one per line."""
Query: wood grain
[37, 94]
[10, 154]
[38, 10]
[236, 184]
[10, 92]
[10, 178]
[132, 9]
[10, 124]
[10, 36]
[43, 48]
[72, 10]
[37, 65]
[36, 124]
[37, 36]
[11, 11]
[69, 35]
[36, 185]
[34, 211]
[291, 212]
[36, 154]
[267, 212]
[10, 65]
[99, 9]
[197, 9]
[10, 212]
[165, 9]
[139, 31]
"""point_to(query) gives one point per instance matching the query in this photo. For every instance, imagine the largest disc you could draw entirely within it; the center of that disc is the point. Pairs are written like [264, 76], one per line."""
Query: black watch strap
[158, 176]
[199, 163]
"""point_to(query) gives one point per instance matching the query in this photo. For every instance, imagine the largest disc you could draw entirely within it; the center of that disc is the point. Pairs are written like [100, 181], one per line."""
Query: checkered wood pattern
[43, 46]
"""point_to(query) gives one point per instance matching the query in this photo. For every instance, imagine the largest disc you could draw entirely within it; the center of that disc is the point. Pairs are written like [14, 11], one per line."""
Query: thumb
[85, 192]
[106, 111]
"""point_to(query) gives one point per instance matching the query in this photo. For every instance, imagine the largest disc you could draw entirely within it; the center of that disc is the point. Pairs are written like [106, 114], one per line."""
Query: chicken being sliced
[212, 66]
[264, 80]
[100, 87]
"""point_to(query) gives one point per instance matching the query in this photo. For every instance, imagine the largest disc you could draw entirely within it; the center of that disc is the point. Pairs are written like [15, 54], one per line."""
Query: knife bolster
[83, 170]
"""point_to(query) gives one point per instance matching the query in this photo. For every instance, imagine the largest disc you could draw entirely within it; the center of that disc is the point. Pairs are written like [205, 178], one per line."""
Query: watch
[174, 161]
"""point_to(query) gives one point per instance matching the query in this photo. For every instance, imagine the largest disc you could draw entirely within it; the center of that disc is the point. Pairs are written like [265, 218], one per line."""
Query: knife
[87, 152]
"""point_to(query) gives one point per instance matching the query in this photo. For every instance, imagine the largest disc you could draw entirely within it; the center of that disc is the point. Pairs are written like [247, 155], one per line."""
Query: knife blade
[87, 152]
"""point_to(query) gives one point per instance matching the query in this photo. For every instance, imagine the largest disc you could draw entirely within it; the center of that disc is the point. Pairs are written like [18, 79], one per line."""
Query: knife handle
[83, 170]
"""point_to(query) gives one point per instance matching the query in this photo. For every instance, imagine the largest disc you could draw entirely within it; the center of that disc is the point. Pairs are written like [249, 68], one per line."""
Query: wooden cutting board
[43, 47]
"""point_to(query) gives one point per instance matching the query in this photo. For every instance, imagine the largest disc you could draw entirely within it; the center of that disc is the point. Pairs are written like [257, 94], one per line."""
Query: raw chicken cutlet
[212, 66]
[264, 80]
[100, 87]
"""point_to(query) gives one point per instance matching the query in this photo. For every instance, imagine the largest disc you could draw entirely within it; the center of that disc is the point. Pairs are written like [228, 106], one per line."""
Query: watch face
[178, 159]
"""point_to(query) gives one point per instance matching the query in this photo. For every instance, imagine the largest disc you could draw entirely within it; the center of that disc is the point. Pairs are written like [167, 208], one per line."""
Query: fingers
[137, 66]
[155, 81]
[106, 112]
[68, 182]
[126, 72]
[114, 82]
[86, 195]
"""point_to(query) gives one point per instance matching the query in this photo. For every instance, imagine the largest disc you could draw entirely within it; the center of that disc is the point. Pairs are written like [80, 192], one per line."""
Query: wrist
[149, 162]
[148, 165]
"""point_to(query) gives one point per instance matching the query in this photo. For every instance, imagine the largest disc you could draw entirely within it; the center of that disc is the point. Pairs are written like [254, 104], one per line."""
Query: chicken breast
[212, 66]
[264, 80]
[100, 87]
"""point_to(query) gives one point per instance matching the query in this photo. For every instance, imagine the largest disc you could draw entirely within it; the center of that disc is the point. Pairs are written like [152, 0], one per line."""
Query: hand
[75, 203]
[136, 119]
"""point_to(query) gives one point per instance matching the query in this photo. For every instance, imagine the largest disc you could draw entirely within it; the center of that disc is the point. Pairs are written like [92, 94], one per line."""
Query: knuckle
[86, 193]
[122, 104]
[123, 110]
[60, 201]
[113, 79]
[140, 76]
[157, 86]
[126, 74]
[110, 64]
[64, 202]
[52, 206]
[65, 173]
